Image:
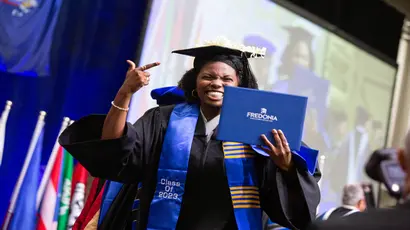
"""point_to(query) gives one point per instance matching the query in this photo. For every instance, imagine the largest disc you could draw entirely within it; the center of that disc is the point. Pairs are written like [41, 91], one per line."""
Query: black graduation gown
[289, 198]
[341, 212]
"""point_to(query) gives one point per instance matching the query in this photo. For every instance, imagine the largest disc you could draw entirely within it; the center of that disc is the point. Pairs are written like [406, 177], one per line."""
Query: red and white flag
[47, 202]
[48, 218]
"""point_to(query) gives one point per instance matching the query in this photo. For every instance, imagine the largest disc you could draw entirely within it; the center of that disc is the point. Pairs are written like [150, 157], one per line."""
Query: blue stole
[274, 226]
[111, 189]
[242, 180]
[306, 157]
[172, 171]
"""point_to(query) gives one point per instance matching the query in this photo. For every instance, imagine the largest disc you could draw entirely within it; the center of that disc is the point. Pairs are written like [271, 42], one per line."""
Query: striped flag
[49, 205]
[46, 175]
[59, 191]
[22, 210]
[66, 191]
[3, 122]
[78, 191]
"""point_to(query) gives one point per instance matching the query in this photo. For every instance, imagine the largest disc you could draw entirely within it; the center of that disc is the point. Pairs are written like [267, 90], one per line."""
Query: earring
[194, 94]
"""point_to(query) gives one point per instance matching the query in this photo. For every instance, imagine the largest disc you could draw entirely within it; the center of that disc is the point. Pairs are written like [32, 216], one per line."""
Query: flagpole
[3, 121]
[16, 191]
[50, 164]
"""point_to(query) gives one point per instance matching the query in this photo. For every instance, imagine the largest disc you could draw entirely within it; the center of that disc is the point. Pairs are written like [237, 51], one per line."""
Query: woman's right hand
[136, 77]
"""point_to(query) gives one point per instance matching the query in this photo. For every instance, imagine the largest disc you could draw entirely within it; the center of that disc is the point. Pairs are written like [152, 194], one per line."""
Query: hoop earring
[193, 93]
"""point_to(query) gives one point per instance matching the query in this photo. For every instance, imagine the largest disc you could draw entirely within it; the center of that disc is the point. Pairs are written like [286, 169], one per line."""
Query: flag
[66, 191]
[48, 216]
[92, 217]
[25, 212]
[50, 187]
[50, 165]
[93, 198]
[3, 122]
[78, 191]
[59, 192]
[26, 34]
[22, 210]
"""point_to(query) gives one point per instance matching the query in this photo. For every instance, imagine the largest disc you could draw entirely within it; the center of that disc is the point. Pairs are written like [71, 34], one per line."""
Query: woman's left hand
[280, 152]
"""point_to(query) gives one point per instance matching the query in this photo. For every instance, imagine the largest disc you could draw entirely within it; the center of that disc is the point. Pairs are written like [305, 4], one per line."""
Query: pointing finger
[149, 66]
[131, 65]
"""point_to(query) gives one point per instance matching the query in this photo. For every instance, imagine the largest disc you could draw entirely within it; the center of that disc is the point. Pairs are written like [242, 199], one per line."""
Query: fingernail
[279, 130]
[274, 130]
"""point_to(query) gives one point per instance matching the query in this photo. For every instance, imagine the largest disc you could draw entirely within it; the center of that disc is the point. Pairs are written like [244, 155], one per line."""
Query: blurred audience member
[396, 218]
[353, 201]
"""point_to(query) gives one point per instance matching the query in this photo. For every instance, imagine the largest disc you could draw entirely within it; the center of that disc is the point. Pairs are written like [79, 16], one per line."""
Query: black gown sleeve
[290, 198]
[119, 159]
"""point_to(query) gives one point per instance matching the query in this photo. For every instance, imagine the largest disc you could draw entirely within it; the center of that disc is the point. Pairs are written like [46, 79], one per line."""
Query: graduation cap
[297, 33]
[262, 42]
[233, 54]
[222, 46]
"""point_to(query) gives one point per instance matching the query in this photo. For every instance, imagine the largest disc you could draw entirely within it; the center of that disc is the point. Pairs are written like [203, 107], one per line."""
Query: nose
[217, 83]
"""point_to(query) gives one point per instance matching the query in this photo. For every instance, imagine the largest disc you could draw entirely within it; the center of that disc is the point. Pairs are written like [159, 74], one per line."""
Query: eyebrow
[213, 74]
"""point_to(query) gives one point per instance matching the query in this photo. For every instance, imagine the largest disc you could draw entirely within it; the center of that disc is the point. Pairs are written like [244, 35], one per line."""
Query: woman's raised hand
[136, 77]
[280, 152]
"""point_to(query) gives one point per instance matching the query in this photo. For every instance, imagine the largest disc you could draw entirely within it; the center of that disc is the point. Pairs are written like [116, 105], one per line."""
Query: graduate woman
[189, 179]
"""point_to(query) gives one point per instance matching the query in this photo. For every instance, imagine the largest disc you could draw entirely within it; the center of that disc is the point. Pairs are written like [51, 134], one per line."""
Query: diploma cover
[248, 113]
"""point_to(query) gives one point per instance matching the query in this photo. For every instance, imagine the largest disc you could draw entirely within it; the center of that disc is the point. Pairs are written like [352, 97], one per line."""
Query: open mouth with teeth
[215, 95]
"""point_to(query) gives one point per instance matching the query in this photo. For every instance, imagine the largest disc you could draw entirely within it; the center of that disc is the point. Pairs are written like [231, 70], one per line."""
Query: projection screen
[349, 89]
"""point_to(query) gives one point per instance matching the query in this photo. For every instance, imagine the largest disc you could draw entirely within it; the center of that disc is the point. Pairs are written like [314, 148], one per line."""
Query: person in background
[312, 132]
[298, 52]
[297, 56]
[396, 218]
[337, 127]
[337, 160]
[353, 201]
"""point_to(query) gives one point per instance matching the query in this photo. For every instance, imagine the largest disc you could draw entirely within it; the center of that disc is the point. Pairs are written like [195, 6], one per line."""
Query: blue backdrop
[90, 43]
[26, 30]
